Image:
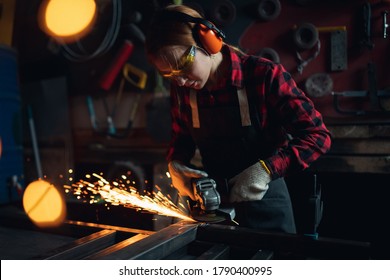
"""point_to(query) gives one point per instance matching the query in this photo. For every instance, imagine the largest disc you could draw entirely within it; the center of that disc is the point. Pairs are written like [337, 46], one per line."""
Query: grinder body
[208, 207]
[206, 194]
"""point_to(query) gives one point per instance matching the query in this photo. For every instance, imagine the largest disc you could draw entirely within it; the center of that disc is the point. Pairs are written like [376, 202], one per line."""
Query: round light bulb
[44, 204]
[68, 18]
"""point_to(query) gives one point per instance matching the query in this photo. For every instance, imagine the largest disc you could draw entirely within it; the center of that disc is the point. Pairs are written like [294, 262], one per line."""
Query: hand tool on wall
[138, 78]
[268, 9]
[338, 46]
[91, 111]
[373, 95]
[109, 77]
[158, 119]
[360, 94]
[304, 62]
[116, 65]
[385, 24]
[366, 26]
[135, 76]
[129, 73]
[338, 50]
[133, 29]
[270, 54]
[321, 84]
[223, 12]
[305, 37]
[133, 112]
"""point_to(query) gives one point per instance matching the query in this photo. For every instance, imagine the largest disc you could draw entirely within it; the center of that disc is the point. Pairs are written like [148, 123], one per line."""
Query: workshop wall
[255, 27]
[349, 60]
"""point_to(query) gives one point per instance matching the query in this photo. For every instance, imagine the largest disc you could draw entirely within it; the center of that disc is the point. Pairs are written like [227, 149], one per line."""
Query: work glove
[181, 176]
[250, 184]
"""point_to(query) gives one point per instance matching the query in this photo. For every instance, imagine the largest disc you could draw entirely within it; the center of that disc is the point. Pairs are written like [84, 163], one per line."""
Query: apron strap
[194, 109]
[242, 100]
[244, 107]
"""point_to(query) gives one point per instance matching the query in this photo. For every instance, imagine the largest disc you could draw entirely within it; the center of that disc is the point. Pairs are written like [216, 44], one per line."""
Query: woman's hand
[181, 177]
[250, 184]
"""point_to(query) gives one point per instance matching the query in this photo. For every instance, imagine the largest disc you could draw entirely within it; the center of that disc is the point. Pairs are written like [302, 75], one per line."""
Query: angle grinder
[208, 203]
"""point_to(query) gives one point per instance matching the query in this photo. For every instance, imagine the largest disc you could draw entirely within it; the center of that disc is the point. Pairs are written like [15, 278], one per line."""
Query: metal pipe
[34, 143]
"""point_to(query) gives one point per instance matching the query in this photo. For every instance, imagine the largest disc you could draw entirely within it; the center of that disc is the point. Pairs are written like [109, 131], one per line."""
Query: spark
[118, 193]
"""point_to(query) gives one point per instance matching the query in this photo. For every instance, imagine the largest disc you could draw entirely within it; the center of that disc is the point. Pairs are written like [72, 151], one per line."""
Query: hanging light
[67, 20]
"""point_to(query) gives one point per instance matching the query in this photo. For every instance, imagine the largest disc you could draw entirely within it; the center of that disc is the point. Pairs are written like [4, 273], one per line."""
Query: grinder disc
[208, 217]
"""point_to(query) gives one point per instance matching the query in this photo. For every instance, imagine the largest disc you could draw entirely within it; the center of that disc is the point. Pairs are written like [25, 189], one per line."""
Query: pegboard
[244, 28]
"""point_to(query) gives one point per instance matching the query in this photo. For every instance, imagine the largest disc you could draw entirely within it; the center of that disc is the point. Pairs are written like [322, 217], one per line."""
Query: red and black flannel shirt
[278, 94]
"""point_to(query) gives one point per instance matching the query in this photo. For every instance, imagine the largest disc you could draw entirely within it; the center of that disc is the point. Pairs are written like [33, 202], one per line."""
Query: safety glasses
[184, 64]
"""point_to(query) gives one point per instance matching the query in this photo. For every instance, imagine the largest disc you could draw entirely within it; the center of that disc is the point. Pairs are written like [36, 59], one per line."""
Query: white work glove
[250, 184]
[181, 176]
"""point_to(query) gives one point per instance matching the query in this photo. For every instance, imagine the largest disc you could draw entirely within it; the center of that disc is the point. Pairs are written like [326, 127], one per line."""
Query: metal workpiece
[93, 244]
[114, 248]
[157, 245]
[284, 245]
[188, 241]
[205, 241]
[82, 224]
[83, 246]
[217, 251]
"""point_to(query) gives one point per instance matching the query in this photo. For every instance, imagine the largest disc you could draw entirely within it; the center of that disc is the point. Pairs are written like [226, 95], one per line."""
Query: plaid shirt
[278, 96]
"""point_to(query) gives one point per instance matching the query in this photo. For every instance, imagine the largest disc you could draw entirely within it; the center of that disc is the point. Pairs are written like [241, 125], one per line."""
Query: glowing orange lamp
[44, 204]
[67, 20]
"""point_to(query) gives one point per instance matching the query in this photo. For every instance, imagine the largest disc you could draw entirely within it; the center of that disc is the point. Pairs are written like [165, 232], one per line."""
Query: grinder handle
[206, 194]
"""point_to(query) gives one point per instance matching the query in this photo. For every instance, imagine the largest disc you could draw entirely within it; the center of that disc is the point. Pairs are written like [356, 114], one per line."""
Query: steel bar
[102, 226]
[286, 244]
[107, 252]
[83, 246]
[157, 245]
[217, 252]
[263, 255]
[181, 254]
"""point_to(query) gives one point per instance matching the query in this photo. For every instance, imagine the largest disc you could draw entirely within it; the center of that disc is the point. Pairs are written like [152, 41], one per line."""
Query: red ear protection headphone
[206, 33]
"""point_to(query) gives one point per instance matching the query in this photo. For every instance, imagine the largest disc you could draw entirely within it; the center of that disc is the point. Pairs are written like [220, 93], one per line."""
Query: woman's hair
[166, 32]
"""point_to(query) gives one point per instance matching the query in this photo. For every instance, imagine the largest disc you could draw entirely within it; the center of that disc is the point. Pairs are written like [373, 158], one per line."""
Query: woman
[245, 115]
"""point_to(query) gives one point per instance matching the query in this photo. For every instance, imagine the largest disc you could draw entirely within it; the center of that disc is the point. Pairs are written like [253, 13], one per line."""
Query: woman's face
[186, 66]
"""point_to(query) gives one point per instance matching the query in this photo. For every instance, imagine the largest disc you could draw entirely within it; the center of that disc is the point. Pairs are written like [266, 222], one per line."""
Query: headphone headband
[182, 17]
